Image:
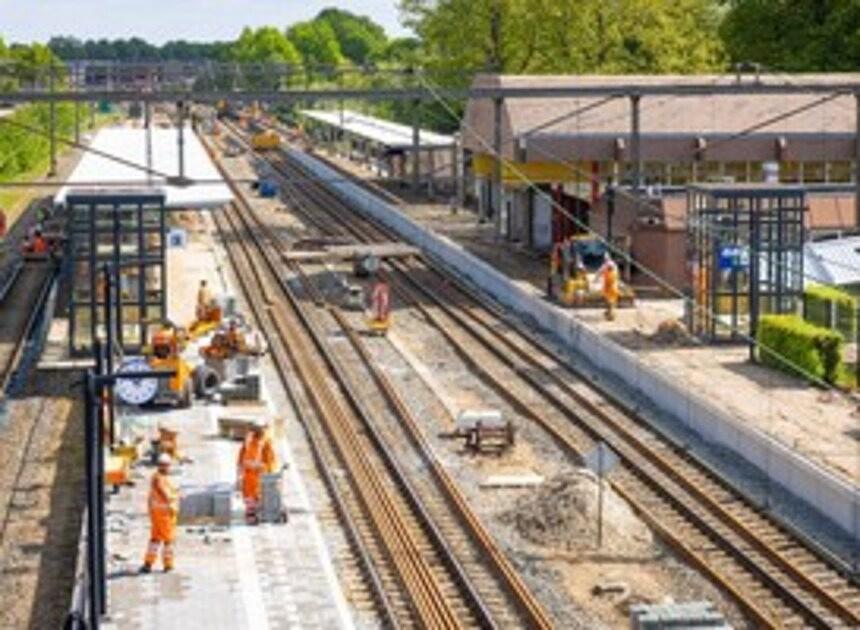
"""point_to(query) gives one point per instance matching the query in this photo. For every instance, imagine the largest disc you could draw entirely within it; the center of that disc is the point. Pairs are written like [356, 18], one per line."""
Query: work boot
[168, 568]
[146, 568]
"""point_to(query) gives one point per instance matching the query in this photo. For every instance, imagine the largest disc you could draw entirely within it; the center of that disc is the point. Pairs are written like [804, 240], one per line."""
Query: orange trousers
[162, 534]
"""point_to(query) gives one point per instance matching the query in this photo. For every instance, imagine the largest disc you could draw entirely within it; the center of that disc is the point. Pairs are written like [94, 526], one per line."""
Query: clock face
[135, 391]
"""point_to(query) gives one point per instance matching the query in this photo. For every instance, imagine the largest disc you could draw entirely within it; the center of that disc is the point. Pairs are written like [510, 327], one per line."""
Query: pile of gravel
[562, 514]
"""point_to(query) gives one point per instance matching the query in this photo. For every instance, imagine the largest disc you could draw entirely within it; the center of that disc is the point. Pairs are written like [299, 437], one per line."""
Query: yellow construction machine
[573, 274]
[267, 140]
[208, 319]
[165, 354]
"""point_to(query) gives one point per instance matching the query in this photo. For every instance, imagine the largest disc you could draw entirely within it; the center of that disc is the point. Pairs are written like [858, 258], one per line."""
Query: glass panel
[841, 172]
[682, 173]
[789, 172]
[813, 172]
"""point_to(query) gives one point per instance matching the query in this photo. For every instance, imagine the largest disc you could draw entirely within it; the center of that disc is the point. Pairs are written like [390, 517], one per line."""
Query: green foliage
[793, 345]
[21, 151]
[316, 42]
[136, 49]
[794, 35]
[567, 36]
[831, 308]
[360, 39]
[265, 45]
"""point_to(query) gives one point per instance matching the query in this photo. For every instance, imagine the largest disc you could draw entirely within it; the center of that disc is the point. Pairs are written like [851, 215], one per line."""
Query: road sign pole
[600, 452]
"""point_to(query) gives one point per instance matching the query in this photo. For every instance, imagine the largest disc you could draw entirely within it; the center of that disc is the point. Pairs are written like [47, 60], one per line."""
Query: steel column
[496, 188]
[92, 480]
[416, 146]
[53, 121]
[857, 162]
[459, 187]
[181, 138]
[635, 145]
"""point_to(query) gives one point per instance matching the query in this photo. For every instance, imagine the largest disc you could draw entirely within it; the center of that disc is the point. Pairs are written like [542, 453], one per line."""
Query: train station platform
[117, 161]
[236, 576]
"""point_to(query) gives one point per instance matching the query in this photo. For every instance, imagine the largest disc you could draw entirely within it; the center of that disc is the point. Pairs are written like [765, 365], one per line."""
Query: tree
[401, 51]
[316, 42]
[567, 36]
[360, 38]
[264, 45]
[794, 35]
[32, 63]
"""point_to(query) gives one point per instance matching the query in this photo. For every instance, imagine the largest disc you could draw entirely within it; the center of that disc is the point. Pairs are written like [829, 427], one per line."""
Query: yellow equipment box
[116, 471]
[266, 141]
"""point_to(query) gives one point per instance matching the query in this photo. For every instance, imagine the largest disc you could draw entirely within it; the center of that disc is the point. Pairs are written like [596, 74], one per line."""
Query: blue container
[268, 189]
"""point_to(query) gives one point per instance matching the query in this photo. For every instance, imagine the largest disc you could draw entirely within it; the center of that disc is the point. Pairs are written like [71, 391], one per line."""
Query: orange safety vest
[40, 245]
[162, 495]
[256, 457]
[163, 506]
[610, 283]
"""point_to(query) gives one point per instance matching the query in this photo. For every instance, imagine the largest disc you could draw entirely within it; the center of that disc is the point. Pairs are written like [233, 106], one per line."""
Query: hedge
[793, 345]
[820, 299]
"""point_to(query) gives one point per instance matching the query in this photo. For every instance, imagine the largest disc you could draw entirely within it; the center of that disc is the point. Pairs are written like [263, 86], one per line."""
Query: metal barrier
[89, 600]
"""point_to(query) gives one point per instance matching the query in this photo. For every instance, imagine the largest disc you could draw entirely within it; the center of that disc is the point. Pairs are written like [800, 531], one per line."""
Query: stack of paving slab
[688, 616]
[210, 503]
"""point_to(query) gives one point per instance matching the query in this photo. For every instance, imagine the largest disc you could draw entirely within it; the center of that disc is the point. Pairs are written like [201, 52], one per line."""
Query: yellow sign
[537, 172]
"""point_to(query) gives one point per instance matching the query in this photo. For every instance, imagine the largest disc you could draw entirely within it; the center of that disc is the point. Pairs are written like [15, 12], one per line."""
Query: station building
[577, 149]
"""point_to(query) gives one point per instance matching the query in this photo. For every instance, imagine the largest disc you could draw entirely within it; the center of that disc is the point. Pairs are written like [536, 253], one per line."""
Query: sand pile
[672, 332]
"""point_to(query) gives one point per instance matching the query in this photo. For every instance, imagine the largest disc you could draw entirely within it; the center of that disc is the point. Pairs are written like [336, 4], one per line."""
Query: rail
[798, 588]
[273, 256]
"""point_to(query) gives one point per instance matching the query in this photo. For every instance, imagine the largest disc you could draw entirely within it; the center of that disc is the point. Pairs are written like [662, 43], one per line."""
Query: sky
[161, 20]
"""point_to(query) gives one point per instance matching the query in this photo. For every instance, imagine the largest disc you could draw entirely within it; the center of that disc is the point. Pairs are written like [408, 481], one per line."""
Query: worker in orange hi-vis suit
[40, 245]
[380, 301]
[204, 300]
[609, 276]
[163, 513]
[256, 458]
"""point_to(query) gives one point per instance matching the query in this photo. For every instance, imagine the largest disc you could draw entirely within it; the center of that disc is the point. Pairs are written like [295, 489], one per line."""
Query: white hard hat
[164, 460]
[260, 423]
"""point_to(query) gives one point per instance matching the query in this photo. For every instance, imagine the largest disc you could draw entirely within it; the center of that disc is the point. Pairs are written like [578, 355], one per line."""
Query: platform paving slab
[268, 576]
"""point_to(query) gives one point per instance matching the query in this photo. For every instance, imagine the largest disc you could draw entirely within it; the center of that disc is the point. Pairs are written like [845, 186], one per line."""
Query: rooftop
[817, 132]
[98, 172]
[834, 262]
[386, 132]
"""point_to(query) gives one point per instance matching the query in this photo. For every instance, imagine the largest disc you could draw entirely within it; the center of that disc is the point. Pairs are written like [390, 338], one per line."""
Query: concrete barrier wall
[830, 496]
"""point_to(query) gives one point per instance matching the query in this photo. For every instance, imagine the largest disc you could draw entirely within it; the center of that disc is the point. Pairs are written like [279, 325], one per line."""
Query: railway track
[20, 306]
[432, 562]
[778, 578]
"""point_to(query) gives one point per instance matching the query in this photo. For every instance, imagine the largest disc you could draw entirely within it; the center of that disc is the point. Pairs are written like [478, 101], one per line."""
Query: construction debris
[519, 480]
[562, 514]
[672, 332]
[688, 616]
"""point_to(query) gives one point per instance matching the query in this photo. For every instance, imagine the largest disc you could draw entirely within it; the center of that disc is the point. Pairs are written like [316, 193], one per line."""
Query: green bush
[793, 345]
[820, 299]
[20, 150]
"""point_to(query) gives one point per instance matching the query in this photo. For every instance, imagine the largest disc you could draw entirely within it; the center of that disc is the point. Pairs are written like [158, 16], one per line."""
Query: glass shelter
[745, 245]
[123, 235]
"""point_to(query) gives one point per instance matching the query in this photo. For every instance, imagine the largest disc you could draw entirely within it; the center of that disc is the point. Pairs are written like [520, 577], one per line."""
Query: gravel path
[41, 494]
